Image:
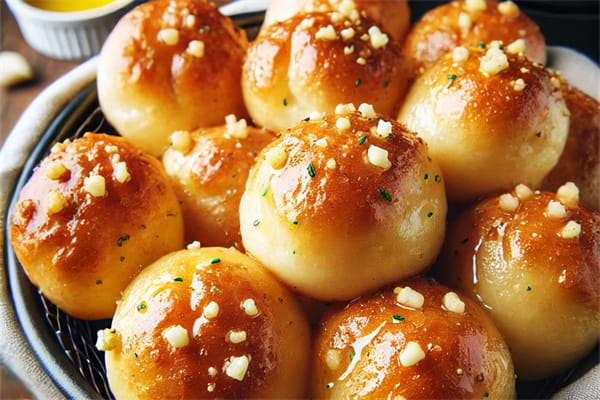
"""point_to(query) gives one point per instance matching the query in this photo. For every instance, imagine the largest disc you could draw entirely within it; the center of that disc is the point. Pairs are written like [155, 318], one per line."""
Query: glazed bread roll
[393, 16]
[313, 62]
[415, 340]
[95, 212]
[352, 195]
[170, 65]
[580, 160]
[533, 260]
[468, 23]
[492, 119]
[208, 168]
[207, 323]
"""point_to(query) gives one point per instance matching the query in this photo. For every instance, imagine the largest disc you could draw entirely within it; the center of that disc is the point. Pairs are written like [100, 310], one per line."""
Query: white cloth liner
[15, 352]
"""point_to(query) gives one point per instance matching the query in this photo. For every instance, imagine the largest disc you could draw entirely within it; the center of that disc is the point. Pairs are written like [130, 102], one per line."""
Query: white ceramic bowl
[68, 35]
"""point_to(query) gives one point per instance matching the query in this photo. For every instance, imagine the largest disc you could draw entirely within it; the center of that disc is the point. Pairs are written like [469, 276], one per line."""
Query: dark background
[572, 23]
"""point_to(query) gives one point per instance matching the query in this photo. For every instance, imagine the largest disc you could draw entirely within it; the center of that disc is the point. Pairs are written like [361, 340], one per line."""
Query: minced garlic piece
[367, 110]
[169, 36]
[523, 191]
[333, 359]
[555, 210]
[378, 39]
[276, 157]
[212, 372]
[194, 245]
[249, 307]
[336, 17]
[344, 108]
[493, 61]
[237, 368]
[384, 128]
[307, 23]
[181, 141]
[235, 128]
[331, 164]
[107, 339]
[378, 157]
[409, 297]
[211, 310]
[518, 84]
[460, 53]
[195, 48]
[326, 33]
[120, 172]
[508, 202]
[346, 7]
[464, 21]
[571, 230]
[236, 336]
[475, 5]
[95, 185]
[348, 33]
[361, 61]
[189, 21]
[453, 303]
[568, 194]
[411, 354]
[322, 143]
[210, 387]
[348, 49]
[316, 116]
[364, 37]
[524, 70]
[342, 123]
[516, 47]
[111, 148]
[508, 8]
[55, 170]
[177, 336]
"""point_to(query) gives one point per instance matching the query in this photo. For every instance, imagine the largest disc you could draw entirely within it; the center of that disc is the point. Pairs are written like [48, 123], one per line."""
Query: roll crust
[226, 307]
[492, 120]
[305, 64]
[362, 349]
[209, 176]
[453, 24]
[165, 67]
[325, 210]
[538, 280]
[82, 249]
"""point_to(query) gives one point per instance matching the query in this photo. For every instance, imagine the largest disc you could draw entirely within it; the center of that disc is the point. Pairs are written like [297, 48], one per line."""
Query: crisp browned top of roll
[469, 22]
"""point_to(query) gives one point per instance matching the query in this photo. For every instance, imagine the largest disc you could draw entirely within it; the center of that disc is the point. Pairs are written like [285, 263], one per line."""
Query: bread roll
[353, 194]
[93, 214]
[492, 119]
[468, 23]
[533, 260]
[170, 65]
[313, 62]
[580, 160]
[392, 15]
[207, 323]
[415, 340]
[209, 168]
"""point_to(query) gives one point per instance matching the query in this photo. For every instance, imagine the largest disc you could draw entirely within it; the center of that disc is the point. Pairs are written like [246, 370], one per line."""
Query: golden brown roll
[313, 62]
[533, 260]
[352, 195]
[415, 340]
[393, 16]
[93, 214]
[207, 323]
[468, 23]
[170, 65]
[492, 119]
[209, 168]
[580, 159]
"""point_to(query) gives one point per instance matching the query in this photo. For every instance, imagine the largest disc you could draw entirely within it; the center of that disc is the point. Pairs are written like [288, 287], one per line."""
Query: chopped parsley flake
[362, 140]
[215, 261]
[426, 176]
[142, 307]
[429, 214]
[264, 193]
[256, 222]
[481, 45]
[311, 170]
[385, 194]
[528, 288]
[122, 239]
[178, 279]
[99, 282]
[215, 290]
[399, 318]
[352, 353]
[437, 178]
[357, 82]
[451, 78]
[285, 102]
